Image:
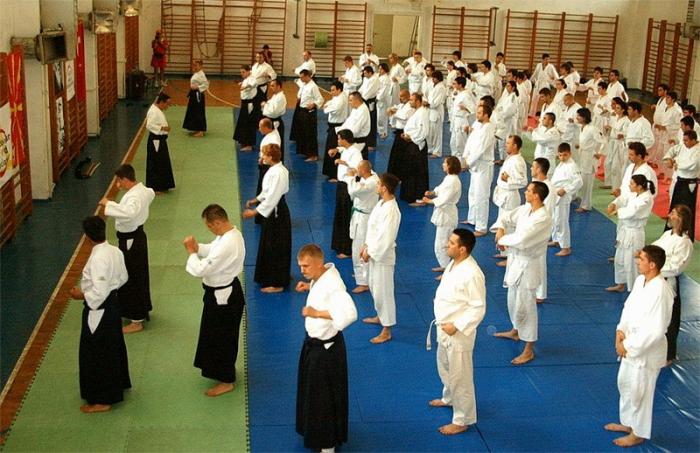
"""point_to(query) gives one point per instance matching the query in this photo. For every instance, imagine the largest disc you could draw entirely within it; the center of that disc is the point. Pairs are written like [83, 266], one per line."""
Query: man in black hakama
[340, 239]
[249, 114]
[685, 189]
[102, 358]
[195, 116]
[159, 171]
[310, 100]
[335, 104]
[218, 264]
[322, 385]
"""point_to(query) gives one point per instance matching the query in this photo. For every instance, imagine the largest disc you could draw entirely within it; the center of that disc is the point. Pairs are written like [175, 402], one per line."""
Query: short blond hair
[310, 250]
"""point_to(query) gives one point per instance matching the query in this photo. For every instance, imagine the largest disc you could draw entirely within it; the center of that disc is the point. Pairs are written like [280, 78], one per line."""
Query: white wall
[92, 98]
[149, 21]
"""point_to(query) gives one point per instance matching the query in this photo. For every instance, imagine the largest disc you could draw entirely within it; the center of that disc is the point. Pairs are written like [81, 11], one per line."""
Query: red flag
[80, 89]
[15, 71]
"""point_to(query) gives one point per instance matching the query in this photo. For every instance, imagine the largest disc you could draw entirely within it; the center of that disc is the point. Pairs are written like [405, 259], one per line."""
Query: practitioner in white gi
[459, 306]
[380, 252]
[566, 180]
[322, 384]
[525, 93]
[397, 75]
[102, 358]
[511, 177]
[352, 79]
[632, 210]
[640, 342]
[130, 214]
[359, 122]
[616, 150]
[195, 117]
[463, 114]
[368, 90]
[275, 107]
[639, 129]
[526, 245]
[668, 129]
[435, 102]
[307, 63]
[383, 100]
[479, 161]
[505, 117]
[591, 87]
[362, 188]
[415, 70]
[590, 145]
[398, 116]
[337, 110]
[685, 158]
[637, 154]
[444, 198]
[543, 77]
[539, 169]
[369, 58]
[547, 139]
[485, 80]
[567, 125]
[615, 88]
[218, 264]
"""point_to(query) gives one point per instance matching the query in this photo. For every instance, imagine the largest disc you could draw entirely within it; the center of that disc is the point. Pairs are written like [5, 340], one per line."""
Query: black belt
[318, 342]
[152, 136]
[360, 139]
[220, 287]
[130, 234]
[688, 180]
[371, 100]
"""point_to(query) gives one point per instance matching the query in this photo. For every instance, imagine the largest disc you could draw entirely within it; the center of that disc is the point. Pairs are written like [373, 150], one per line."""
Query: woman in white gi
[531, 225]
[380, 252]
[640, 342]
[195, 116]
[322, 385]
[505, 117]
[272, 266]
[566, 181]
[679, 249]
[616, 152]
[459, 306]
[218, 263]
[445, 217]
[590, 142]
[102, 358]
[632, 210]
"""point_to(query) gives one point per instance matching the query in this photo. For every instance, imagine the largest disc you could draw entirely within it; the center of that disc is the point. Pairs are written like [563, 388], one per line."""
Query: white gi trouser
[586, 191]
[561, 232]
[458, 138]
[358, 233]
[522, 309]
[442, 234]
[629, 241]
[478, 195]
[381, 285]
[414, 86]
[541, 292]
[636, 385]
[454, 364]
[434, 138]
[657, 150]
[382, 118]
[615, 161]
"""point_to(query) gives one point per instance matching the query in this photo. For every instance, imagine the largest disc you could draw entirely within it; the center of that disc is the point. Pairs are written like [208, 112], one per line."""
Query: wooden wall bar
[107, 72]
[463, 29]
[668, 57]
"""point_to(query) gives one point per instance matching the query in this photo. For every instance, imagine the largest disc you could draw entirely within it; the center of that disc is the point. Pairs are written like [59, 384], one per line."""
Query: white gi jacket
[526, 245]
[547, 141]
[567, 176]
[199, 80]
[155, 120]
[363, 192]
[643, 169]
[352, 79]
[337, 108]
[275, 106]
[358, 122]
[590, 141]
[132, 210]
[506, 195]
[447, 195]
[219, 262]
[352, 156]
[567, 125]
[309, 94]
[104, 272]
[403, 113]
[382, 229]
[328, 293]
[632, 212]
[678, 250]
[369, 88]
[478, 151]
[639, 130]
[543, 77]
[417, 127]
[687, 160]
[275, 184]
[506, 115]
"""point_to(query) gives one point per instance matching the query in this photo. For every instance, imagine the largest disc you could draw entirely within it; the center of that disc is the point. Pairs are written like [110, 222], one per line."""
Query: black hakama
[307, 139]
[294, 130]
[675, 325]
[247, 124]
[217, 348]
[372, 137]
[104, 365]
[686, 192]
[415, 180]
[195, 116]
[322, 393]
[135, 294]
[329, 168]
[278, 124]
[159, 171]
[365, 151]
[341, 241]
[397, 158]
[274, 260]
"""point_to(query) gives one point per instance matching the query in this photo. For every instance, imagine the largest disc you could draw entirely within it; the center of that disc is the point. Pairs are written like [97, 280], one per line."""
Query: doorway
[392, 33]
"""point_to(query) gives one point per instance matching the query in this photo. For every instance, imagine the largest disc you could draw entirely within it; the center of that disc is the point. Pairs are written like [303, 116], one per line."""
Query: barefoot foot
[438, 403]
[220, 389]
[509, 335]
[374, 320]
[360, 289]
[272, 289]
[618, 428]
[616, 289]
[381, 338]
[526, 356]
[95, 408]
[452, 429]
[133, 327]
[629, 440]
[563, 252]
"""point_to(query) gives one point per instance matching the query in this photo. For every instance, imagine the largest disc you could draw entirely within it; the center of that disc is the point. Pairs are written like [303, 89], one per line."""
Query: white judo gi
[616, 151]
[445, 215]
[644, 321]
[478, 153]
[506, 119]
[632, 213]
[547, 141]
[460, 299]
[549, 203]
[591, 141]
[526, 245]
[436, 99]
[382, 229]
[566, 176]
[363, 192]
[463, 111]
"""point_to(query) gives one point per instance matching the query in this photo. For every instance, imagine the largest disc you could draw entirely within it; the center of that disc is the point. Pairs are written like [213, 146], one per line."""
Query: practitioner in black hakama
[102, 358]
[337, 110]
[159, 171]
[322, 385]
[272, 267]
[348, 155]
[685, 189]
[130, 214]
[218, 264]
[274, 108]
[310, 100]
[249, 114]
[195, 116]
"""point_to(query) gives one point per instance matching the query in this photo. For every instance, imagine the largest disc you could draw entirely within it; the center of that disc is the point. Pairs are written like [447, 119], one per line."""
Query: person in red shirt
[158, 61]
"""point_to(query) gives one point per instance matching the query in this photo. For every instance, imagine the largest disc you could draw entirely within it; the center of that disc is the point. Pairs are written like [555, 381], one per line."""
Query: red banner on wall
[80, 88]
[15, 70]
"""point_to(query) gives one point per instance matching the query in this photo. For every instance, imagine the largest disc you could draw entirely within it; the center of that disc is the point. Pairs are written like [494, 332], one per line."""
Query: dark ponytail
[642, 180]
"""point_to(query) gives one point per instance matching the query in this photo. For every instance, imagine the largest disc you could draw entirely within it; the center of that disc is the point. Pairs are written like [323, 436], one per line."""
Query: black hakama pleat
[372, 137]
[674, 326]
[415, 181]
[364, 151]
[135, 294]
[307, 139]
[685, 192]
[322, 393]
[217, 348]
[294, 130]
[247, 122]
[396, 165]
[341, 241]
[278, 124]
[195, 116]
[273, 264]
[159, 171]
[104, 365]
[329, 167]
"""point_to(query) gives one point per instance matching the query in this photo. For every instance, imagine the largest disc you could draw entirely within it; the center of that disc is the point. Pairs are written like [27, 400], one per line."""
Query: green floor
[601, 200]
[165, 409]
